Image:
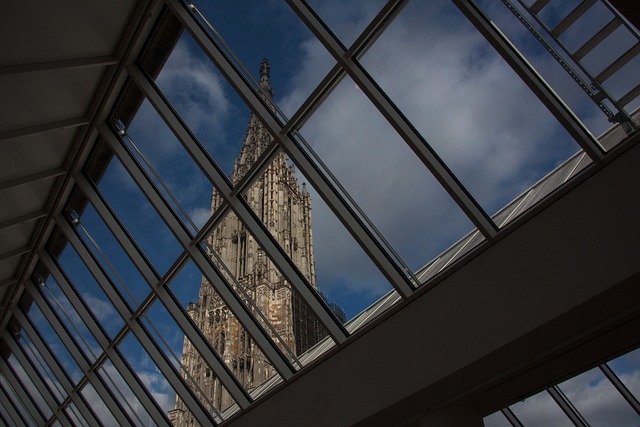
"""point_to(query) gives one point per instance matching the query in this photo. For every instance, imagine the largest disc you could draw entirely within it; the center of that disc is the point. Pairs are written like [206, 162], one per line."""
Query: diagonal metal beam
[36, 378]
[56, 368]
[533, 80]
[158, 356]
[20, 393]
[213, 275]
[130, 378]
[180, 316]
[237, 203]
[44, 127]
[336, 201]
[10, 415]
[397, 120]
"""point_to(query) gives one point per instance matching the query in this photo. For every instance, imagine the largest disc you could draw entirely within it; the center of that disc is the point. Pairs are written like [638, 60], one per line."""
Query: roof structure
[536, 293]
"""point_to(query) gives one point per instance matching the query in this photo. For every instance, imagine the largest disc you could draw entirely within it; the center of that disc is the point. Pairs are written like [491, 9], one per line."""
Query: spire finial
[264, 70]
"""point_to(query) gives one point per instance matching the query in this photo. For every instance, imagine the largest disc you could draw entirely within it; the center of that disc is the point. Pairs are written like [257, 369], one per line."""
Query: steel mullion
[55, 366]
[533, 80]
[184, 321]
[622, 389]
[511, 417]
[21, 393]
[372, 246]
[240, 310]
[10, 409]
[398, 121]
[572, 17]
[155, 352]
[281, 260]
[57, 412]
[119, 232]
[570, 411]
[132, 380]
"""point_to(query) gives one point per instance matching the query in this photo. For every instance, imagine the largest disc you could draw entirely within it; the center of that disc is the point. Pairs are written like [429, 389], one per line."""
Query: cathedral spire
[265, 83]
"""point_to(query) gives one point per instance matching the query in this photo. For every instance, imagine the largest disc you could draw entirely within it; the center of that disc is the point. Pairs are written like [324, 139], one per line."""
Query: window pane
[395, 190]
[540, 410]
[598, 401]
[445, 84]
[132, 208]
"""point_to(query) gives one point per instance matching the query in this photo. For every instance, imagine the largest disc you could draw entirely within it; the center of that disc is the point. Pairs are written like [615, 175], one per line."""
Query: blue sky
[465, 101]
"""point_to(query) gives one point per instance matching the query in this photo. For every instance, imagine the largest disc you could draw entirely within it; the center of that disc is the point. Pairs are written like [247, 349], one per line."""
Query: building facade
[284, 206]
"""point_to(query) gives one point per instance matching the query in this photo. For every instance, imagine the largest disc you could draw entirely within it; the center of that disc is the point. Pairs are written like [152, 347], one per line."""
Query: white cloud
[465, 101]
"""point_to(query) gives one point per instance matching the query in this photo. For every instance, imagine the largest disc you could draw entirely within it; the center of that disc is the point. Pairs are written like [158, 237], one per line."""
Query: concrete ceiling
[57, 69]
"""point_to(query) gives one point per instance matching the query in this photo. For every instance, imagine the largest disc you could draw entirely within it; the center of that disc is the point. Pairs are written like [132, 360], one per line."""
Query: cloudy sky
[464, 100]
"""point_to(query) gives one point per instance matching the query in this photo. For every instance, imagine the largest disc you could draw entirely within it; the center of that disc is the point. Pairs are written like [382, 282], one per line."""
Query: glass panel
[110, 255]
[170, 339]
[42, 368]
[496, 420]
[123, 394]
[70, 318]
[169, 166]
[74, 415]
[555, 11]
[97, 405]
[311, 235]
[55, 345]
[29, 387]
[88, 288]
[553, 73]
[540, 410]
[148, 373]
[10, 392]
[258, 282]
[385, 178]
[347, 19]
[444, 84]
[271, 30]
[598, 401]
[132, 208]
[225, 334]
[627, 368]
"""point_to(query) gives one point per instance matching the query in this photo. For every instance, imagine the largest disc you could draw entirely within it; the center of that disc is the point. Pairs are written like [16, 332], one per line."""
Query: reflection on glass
[123, 394]
[496, 420]
[540, 410]
[70, 318]
[42, 368]
[148, 373]
[97, 405]
[168, 165]
[72, 413]
[131, 206]
[53, 341]
[10, 392]
[110, 255]
[598, 401]
[168, 336]
[30, 388]
[90, 291]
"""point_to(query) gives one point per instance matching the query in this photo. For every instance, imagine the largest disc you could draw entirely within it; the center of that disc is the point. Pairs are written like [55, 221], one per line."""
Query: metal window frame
[334, 200]
[210, 272]
[237, 203]
[126, 372]
[21, 393]
[10, 411]
[59, 373]
[140, 332]
[158, 287]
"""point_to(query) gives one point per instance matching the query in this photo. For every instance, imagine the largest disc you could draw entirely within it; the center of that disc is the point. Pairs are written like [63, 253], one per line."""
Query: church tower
[284, 206]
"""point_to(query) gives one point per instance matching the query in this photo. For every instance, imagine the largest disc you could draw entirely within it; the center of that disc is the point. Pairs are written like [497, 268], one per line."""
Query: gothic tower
[285, 208]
